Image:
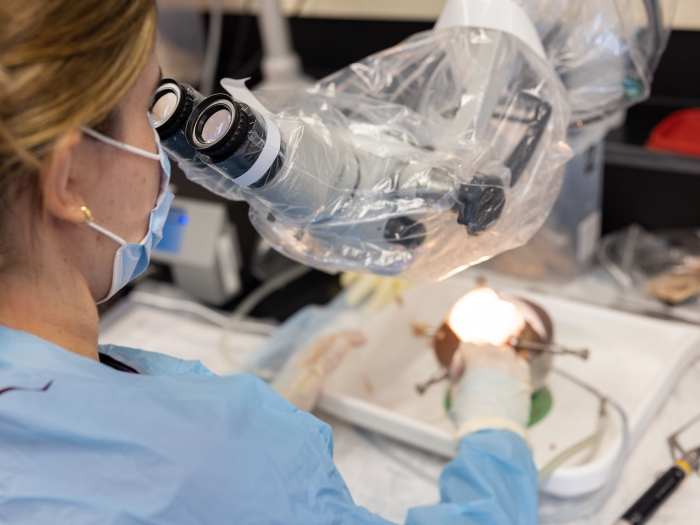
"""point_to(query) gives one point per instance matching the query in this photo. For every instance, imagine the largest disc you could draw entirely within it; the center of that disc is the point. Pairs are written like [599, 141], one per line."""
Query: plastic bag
[418, 161]
[565, 245]
[604, 50]
[445, 150]
[664, 265]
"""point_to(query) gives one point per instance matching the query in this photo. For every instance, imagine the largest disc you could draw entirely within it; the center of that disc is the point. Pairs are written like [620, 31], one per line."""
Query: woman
[93, 434]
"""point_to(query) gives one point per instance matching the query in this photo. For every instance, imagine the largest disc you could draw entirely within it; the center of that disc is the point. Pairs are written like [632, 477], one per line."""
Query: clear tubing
[591, 503]
[251, 301]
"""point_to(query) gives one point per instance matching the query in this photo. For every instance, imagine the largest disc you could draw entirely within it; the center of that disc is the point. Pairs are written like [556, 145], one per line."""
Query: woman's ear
[59, 197]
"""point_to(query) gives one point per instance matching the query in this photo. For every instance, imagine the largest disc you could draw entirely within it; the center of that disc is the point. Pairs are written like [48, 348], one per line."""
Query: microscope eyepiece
[218, 127]
[229, 136]
[214, 127]
[172, 106]
[164, 107]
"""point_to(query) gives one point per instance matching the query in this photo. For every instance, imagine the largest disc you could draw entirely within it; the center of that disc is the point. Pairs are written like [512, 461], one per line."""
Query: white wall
[687, 12]
[687, 15]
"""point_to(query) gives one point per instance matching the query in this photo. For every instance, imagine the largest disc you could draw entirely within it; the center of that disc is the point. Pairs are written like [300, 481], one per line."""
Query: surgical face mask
[132, 259]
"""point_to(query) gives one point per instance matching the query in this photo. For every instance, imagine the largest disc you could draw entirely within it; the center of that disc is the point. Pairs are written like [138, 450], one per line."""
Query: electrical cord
[211, 56]
[191, 307]
[237, 320]
[240, 39]
[239, 68]
[252, 300]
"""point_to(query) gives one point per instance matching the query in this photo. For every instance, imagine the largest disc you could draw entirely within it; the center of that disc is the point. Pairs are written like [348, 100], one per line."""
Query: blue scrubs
[82, 443]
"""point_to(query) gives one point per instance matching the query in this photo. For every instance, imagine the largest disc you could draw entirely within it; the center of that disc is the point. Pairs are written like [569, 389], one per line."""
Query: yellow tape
[684, 465]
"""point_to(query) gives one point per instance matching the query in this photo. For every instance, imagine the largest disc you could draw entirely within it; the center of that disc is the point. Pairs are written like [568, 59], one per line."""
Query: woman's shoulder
[232, 438]
[175, 396]
[24, 350]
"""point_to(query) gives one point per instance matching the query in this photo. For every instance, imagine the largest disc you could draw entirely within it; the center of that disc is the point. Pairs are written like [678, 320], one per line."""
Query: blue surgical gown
[82, 443]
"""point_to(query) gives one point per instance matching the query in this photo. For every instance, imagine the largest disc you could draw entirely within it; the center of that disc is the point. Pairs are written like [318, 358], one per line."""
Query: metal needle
[438, 376]
[550, 348]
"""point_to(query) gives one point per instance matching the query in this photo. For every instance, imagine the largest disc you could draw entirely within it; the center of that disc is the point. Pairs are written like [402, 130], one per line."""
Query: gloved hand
[377, 291]
[494, 392]
[301, 381]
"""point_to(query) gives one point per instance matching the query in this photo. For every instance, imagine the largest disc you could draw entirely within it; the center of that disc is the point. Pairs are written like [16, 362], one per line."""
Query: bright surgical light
[482, 316]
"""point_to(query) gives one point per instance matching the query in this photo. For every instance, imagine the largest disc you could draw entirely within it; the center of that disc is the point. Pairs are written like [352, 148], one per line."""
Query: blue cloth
[82, 443]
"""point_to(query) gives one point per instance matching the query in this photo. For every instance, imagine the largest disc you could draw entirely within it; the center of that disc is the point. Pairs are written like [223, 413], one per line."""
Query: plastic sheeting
[418, 161]
[604, 50]
[445, 150]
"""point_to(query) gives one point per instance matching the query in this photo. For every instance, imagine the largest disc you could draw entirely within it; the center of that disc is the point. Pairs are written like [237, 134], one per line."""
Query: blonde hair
[64, 63]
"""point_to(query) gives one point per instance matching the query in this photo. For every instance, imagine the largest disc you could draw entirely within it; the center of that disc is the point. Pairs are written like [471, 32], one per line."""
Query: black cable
[241, 37]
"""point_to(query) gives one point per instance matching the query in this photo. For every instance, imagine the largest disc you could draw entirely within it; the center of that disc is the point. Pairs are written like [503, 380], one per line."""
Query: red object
[678, 133]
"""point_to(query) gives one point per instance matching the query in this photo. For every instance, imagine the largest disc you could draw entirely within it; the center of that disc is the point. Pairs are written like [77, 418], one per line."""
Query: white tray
[635, 360]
